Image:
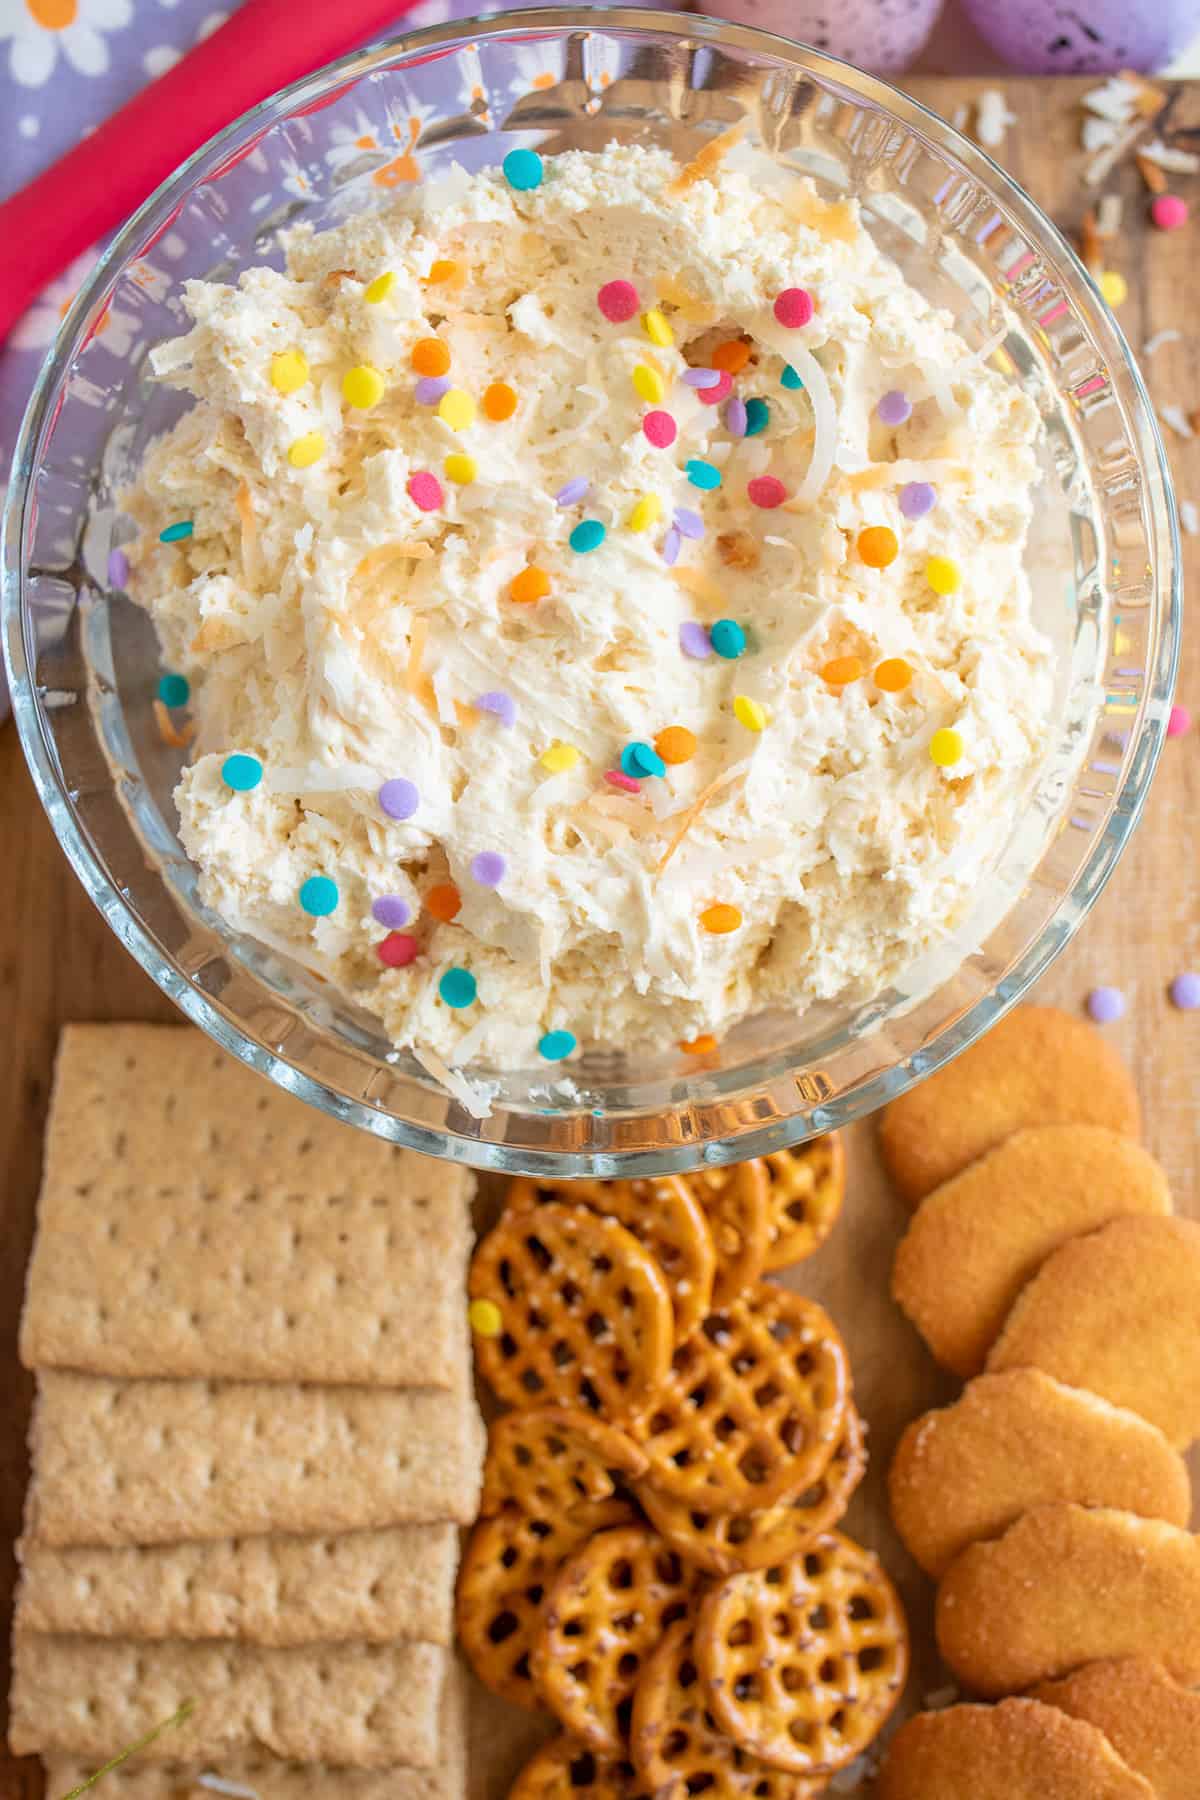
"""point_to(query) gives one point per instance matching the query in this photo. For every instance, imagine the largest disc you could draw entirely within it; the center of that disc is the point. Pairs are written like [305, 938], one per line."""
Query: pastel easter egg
[881, 35]
[1083, 37]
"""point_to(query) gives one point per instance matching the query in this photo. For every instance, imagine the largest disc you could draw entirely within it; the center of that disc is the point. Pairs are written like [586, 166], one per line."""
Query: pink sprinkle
[794, 307]
[397, 950]
[1179, 721]
[1169, 212]
[767, 491]
[425, 491]
[660, 428]
[615, 778]
[618, 301]
[720, 390]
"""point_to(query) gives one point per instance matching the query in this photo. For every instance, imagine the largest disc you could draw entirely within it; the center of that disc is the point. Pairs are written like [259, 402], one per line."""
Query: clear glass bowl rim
[869, 1093]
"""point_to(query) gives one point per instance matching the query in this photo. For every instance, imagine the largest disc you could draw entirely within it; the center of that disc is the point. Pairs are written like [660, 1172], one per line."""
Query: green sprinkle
[319, 896]
[174, 690]
[758, 417]
[182, 528]
[458, 988]
[789, 378]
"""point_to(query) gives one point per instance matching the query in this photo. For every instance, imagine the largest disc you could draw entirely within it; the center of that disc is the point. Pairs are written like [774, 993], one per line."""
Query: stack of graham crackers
[255, 1435]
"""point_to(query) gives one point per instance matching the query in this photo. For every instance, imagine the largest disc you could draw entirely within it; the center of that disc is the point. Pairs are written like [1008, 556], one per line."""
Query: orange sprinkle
[179, 737]
[430, 357]
[842, 670]
[444, 269]
[443, 902]
[878, 546]
[468, 716]
[721, 918]
[732, 357]
[529, 585]
[499, 401]
[675, 744]
[704, 1045]
[893, 675]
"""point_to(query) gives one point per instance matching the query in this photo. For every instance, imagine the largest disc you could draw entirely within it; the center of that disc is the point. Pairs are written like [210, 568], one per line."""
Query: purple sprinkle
[671, 546]
[118, 568]
[917, 498]
[1185, 992]
[430, 389]
[399, 798]
[503, 705]
[701, 378]
[572, 491]
[894, 408]
[1106, 1004]
[488, 868]
[689, 522]
[735, 416]
[392, 911]
[694, 640]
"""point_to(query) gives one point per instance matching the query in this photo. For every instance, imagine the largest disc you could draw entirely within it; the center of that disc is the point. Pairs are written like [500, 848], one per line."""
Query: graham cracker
[368, 1706]
[373, 1586]
[196, 1220]
[164, 1462]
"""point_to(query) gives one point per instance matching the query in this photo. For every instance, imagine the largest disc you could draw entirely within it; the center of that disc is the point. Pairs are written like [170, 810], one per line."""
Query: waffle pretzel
[550, 1460]
[753, 1408]
[507, 1567]
[679, 1749]
[665, 1217]
[806, 1187]
[610, 1603]
[724, 1543]
[565, 1769]
[585, 1312]
[738, 1204]
[803, 1662]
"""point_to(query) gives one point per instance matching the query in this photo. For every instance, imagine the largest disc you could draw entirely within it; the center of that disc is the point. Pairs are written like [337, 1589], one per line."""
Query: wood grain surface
[59, 962]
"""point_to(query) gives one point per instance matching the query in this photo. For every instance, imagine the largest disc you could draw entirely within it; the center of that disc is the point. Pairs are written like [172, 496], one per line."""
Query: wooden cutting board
[59, 961]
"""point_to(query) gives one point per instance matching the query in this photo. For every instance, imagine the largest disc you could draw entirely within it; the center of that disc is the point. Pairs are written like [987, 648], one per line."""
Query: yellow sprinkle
[380, 288]
[943, 575]
[485, 1318]
[289, 371]
[750, 713]
[646, 513]
[655, 326]
[648, 384]
[456, 409]
[1114, 287]
[307, 450]
[459, 467]
[946, 747]
[559, 758]
[444, 269]
[363, 387]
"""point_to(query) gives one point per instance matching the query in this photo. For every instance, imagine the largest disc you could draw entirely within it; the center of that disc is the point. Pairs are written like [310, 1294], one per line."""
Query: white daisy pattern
[350, 139]
[38, 328]
[471, 93]
[295, 180]
[38, 31]
[536, 68]
[408, 119]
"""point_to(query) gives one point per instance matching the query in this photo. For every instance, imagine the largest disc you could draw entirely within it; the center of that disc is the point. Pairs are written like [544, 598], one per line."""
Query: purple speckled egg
[880, 35]
[1084, 37]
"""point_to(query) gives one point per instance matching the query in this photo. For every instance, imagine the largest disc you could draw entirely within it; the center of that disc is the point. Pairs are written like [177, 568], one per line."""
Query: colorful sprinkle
[458, 987]
[701, 474]
[721, 919]
[499, 401]
[381, 287]
[878, 546]
[732, 356]
[1114, 287]
[720, 390]
[558, 758]
[645, 512]
[694, 640]
[529, 584]
[307, 450]
[641, 760]
[523, 170]
[789, 378]
[319, 896]
[701, 378]
[893, 675]
[794, 307]
[618, 301]
[688, 522]
[501, 705]
[618, 779]
[174, 690]
[456, 409]
[399, 798]
[1179, 721]
[363, 387]
[391, 910]
[672, 544]
[946, 747]
[589, 534]
[443, 268]
[430, 388]
[704, 1045]
[1184, 992]
[750, 713]
[656, 328]
[241, 773]
[485, 1318]
[660, 429]
[460, 468]
[894, 408]
[571, 492]
[556, 1045]
[758, 417]
[1169, 212]
[943, 575]
[917, 498]
[289, 371]
[397, 950]
[1105, 1004]
[735, 416]
[728, 639]
[118, 568]
[648, 384]
[425, 491]
[488, 868]
[443, 902]
[675, 744]
[183, 528]
[840, 671]
[429, 356]
[766, 491]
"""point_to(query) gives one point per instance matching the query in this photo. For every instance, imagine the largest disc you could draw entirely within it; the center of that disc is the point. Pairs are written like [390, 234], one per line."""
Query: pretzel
[677, 1746]
[608, 1607]
[565, 1769]
[737, 1201]
[806, 1188]
[663, 1215]
[724, 1543]
[509, 1562]
[549, 1460]
[803, 1662]
[585, 1312]
[753, 1408]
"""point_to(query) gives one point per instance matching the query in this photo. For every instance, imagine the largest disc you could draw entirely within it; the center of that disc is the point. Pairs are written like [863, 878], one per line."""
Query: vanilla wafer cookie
[1150, 1720]
[1018, 1751]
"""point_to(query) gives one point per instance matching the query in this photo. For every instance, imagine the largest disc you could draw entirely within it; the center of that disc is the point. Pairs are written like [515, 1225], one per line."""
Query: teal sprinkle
[458, 988]
[241, 773]
[174, 690]
[702, 474]
[556, 1045]
[789, 378]
[728, 639]
[523, 170]
[319, 896]
[589, 534]
[639, 760]
[182, 528]
[758, 417]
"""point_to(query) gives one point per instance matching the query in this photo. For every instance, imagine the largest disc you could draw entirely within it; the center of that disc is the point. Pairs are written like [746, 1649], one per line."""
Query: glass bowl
[1105, 568]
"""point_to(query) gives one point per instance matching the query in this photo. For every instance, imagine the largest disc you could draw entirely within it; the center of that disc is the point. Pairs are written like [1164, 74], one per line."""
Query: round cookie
[737, 1203]
[1037, 1066]
[1020, 1440]
[1118, 1312]
[565, 1769]
[806, 1187]
[549, 1460]
[1018, 1751]
[1149, 1720]
[994, 1224]
[1068, 1585]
